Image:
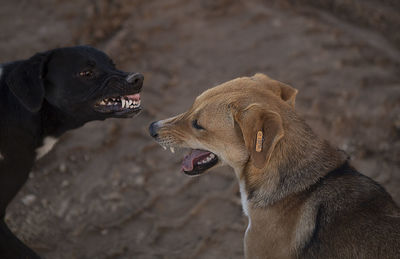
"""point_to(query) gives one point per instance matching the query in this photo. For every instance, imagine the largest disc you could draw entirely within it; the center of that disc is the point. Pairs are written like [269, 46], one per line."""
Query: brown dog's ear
[288, 93]
[262, 130]
[284, 91]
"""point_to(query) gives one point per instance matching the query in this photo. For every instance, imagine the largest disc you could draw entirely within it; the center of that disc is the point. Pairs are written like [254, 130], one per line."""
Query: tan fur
[275, 182]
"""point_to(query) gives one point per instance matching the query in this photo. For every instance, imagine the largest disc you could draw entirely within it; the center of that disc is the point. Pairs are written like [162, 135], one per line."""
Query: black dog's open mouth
[120, 105]
[198, 161]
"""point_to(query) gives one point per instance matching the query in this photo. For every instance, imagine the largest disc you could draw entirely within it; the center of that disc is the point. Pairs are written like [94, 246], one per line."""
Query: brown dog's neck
[299, 160]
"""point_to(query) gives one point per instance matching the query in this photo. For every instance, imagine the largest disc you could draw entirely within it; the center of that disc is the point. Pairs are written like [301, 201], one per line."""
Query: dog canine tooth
[48, 144]
[164, 147]
[172, 149]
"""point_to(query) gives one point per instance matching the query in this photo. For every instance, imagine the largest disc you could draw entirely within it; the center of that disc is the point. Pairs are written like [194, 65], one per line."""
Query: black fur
[45, 96]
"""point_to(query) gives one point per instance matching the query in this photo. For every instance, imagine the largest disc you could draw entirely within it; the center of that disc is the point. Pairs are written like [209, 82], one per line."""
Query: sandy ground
[108, 191]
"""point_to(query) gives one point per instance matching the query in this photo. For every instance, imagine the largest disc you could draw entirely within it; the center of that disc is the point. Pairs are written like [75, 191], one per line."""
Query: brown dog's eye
[196, 125]
[86, 73]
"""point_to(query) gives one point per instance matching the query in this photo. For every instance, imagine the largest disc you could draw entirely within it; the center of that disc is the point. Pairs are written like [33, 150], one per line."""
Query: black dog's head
[81, 82]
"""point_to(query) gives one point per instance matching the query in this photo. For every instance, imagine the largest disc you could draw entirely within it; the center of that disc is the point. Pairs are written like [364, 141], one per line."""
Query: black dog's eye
[87, 73]
[196, 125]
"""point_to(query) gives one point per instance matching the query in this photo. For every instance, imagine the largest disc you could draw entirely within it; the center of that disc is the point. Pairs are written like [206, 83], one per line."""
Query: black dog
[45, 96]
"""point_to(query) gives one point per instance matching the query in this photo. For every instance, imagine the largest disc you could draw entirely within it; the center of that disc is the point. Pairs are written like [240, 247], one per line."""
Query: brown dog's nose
[153, 128]
[136, 79]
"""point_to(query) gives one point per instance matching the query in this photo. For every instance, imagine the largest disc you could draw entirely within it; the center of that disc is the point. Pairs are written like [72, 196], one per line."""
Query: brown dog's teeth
[207, 159]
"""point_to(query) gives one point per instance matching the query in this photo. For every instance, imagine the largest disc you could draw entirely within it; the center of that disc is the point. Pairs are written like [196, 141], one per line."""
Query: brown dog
[302, 197]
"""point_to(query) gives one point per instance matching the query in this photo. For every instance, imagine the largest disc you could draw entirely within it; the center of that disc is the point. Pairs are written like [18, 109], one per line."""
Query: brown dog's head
[235, 123]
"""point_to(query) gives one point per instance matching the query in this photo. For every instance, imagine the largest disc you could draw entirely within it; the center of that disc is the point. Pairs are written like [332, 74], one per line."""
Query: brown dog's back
[356, 218]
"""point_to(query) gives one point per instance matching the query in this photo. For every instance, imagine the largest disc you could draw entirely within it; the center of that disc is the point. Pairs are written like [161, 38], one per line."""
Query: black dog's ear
[26, 81]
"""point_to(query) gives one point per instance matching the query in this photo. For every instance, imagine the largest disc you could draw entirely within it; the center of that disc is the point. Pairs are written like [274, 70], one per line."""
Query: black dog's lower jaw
[45, 96]
[128, 105]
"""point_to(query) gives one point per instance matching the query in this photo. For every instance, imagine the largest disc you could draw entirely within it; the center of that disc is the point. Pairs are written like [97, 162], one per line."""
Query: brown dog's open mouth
[120, 105]
[198, 161]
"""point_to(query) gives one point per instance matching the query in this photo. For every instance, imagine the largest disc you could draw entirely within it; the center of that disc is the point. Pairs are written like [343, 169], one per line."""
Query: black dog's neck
[55, 122]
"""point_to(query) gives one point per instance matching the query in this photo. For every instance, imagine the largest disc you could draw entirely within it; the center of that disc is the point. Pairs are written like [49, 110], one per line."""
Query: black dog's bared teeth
[121, 103]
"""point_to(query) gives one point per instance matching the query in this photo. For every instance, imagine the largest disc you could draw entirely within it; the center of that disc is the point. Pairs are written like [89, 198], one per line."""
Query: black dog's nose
[136, 79]
[153, 129]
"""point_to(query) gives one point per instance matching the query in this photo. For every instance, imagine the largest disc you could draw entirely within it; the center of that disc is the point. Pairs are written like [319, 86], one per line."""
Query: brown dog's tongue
[189, 160]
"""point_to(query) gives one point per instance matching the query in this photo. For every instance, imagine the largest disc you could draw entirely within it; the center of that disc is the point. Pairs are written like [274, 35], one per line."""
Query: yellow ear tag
[259, 142]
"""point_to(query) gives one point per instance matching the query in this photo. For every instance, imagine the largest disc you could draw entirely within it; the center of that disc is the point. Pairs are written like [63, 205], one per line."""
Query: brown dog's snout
[153, 129]
[136, 79]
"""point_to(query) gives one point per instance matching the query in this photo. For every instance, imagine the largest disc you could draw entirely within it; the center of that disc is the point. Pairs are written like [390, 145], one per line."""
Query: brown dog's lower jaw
[198, 161]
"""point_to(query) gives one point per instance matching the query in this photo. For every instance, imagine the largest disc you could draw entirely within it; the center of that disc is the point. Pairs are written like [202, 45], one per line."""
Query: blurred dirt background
[108, 191]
